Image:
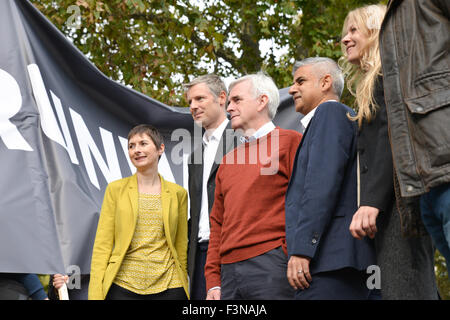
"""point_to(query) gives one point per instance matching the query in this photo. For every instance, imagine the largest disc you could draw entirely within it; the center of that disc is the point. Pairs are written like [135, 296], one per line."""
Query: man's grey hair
[323, 66]
[213, 81]
[262, 84]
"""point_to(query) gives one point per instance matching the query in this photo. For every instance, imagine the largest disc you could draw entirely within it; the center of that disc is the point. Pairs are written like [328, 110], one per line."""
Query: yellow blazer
[116, 227]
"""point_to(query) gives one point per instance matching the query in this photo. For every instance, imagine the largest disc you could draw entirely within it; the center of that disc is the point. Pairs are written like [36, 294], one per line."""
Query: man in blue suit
[325, 261]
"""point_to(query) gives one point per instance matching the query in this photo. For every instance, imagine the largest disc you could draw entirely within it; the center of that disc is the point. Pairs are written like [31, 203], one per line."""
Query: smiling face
[142, 151]
[354, 41]
[306, 90]
[206, 109]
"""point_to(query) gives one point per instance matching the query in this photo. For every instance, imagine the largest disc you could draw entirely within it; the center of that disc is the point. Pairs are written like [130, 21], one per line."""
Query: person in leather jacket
[414, 47]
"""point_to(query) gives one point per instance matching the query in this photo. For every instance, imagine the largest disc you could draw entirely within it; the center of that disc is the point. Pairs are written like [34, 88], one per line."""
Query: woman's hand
[59, 280]
[364, 222]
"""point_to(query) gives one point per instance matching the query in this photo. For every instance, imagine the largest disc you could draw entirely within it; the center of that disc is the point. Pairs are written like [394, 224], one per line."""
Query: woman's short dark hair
[149, 130]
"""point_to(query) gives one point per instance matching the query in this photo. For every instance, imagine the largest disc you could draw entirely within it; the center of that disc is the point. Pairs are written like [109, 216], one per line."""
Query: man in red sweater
[247, 256]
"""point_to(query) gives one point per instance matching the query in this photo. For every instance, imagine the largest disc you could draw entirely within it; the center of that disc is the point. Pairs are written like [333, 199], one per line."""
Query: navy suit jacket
[322, 194]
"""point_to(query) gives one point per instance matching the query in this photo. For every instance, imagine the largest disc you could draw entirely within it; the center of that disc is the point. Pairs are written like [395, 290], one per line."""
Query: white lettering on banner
[62, 120]
[10, 104]
[48, 120]
[111, 170]
[124, 144]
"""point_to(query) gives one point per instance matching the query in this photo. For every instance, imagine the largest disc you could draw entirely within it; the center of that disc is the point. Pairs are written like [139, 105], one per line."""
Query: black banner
[63, 128]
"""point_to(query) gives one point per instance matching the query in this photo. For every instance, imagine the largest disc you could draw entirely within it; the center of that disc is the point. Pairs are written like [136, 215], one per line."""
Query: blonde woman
[140, 249]
[406, 264]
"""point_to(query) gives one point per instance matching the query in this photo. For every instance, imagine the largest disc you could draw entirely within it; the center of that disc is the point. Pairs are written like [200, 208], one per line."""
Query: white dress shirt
[307, 118]
[211, 142]
[261, 132]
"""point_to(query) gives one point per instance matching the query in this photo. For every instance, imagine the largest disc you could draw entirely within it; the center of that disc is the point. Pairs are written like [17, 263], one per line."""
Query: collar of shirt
[307, 118]
[261, 132]
[216, 134]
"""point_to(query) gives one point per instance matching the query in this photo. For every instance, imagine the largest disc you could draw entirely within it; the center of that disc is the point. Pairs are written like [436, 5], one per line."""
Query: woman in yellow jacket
[140, 249]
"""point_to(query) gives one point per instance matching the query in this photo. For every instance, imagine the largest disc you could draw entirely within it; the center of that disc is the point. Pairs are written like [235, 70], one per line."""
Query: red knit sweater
[247, 218]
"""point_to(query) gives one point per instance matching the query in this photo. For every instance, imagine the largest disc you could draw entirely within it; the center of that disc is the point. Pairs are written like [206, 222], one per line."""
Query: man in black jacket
[414, 45]
[207, 97]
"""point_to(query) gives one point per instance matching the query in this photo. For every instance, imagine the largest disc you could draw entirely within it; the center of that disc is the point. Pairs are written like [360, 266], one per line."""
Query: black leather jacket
[414, 47]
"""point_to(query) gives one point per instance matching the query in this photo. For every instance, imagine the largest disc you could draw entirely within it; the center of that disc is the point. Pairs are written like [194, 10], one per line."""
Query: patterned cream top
[148, 266]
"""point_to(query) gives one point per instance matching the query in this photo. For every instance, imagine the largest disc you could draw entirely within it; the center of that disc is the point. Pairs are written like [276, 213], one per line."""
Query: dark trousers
[198, 291]
[118, 293]
[342, 284]
[259, 278]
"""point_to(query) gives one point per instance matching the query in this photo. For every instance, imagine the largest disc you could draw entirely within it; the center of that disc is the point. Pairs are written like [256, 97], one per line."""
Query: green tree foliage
[442, 276]
[154, 46]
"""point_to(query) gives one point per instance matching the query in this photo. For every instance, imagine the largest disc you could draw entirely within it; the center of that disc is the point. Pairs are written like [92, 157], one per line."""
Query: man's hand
[298, 272]
[364, 222]
[213, 294]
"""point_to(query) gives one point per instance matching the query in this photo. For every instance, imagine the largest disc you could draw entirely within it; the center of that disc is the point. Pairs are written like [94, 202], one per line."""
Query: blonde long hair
[361, 78]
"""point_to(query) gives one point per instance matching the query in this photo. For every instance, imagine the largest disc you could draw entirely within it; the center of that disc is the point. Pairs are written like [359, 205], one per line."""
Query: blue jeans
[435, 210]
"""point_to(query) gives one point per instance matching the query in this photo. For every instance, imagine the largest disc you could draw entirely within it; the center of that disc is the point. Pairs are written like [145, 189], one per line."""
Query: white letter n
[111, 170]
